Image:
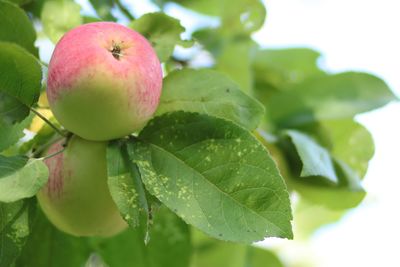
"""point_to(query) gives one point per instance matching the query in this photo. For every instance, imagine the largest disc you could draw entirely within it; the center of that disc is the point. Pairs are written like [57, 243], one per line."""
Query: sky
[352, 35]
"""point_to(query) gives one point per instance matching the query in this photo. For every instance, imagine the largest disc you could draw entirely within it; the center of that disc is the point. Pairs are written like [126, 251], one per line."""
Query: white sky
[352, 35]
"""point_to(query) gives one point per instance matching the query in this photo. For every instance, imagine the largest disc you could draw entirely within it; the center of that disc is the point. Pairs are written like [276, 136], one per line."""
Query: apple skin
[104, 81]
[76, 198]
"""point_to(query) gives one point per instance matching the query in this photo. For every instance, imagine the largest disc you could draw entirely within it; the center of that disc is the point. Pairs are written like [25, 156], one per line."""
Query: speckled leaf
[163, 31]
[213, 93]
[125, 185]
[15, 26]
[340, 96]
[15, 227]
[316, 160]
[169, 244]
[20, 82]
[21, 178]
[215, 175]
[58, 17]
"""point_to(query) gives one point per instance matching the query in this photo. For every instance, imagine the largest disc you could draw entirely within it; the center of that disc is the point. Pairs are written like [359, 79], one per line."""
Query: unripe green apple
[104, 81]
[76, 198]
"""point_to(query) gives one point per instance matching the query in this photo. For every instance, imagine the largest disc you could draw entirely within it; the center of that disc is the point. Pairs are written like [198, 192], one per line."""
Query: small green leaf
[16, 27]
[169, 244]
[10, 134]
[212, 94]
[316, 160]
[49, 247]
[103, 9]
[21, 178]
[214, 253]
[58, 17]
[162, 31]
[282, 67]
[20, 82]
[339, 96]
[237, 15]
[125, 185]
[351, 143]
[15, 227]
[214, 175]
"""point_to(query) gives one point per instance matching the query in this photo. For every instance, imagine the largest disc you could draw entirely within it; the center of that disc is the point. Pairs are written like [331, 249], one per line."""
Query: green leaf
[214, 175]
[213, 253]
[21, 178]
[58, 17]
[212, 93]
[10, 134]
[236, 15]
[125, 185]
[162, 31]
[49, 247]
[103, 9]
[15, 226]
[20, 82]
[20, 2]
[235, 60]
[316, 160]
[351, 143]
[281, 67]
[347, 194]
[16, 27]
[169, 244]
[309, 217]
[337, 96]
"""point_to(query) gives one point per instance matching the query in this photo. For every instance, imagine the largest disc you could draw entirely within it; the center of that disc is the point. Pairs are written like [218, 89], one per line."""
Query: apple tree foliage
[231, 141]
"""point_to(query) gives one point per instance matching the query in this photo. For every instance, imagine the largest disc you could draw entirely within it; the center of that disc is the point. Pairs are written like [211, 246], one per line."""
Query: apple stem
[55, 128]
[52, 155]
[124, 10]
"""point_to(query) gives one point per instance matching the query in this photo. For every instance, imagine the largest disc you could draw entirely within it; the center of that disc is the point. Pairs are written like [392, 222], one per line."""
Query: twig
[48, 122]
[124, 10]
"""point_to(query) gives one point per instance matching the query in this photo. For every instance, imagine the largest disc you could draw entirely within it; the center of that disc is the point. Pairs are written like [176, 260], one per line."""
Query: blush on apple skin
[76, 198]
[104, 81]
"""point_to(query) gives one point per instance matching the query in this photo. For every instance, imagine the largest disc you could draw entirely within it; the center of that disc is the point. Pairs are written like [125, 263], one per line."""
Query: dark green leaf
[163, 32]
[316, 160]
[215, 175]
[49, 247]
[58, 17]
[169, 244]
[20, 2]
[15, 226]
[329, 97]
[125, 185]
[20, 82]
[103, 9]
[10, 134]
[21, 178]
[212, 93]
[16, 27]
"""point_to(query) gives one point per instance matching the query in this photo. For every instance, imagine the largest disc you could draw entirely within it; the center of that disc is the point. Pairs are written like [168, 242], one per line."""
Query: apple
[104, 81]
[76, 198]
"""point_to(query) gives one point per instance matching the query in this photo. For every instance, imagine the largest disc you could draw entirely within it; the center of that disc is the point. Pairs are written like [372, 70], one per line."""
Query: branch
[48, 122]
[124, 10]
